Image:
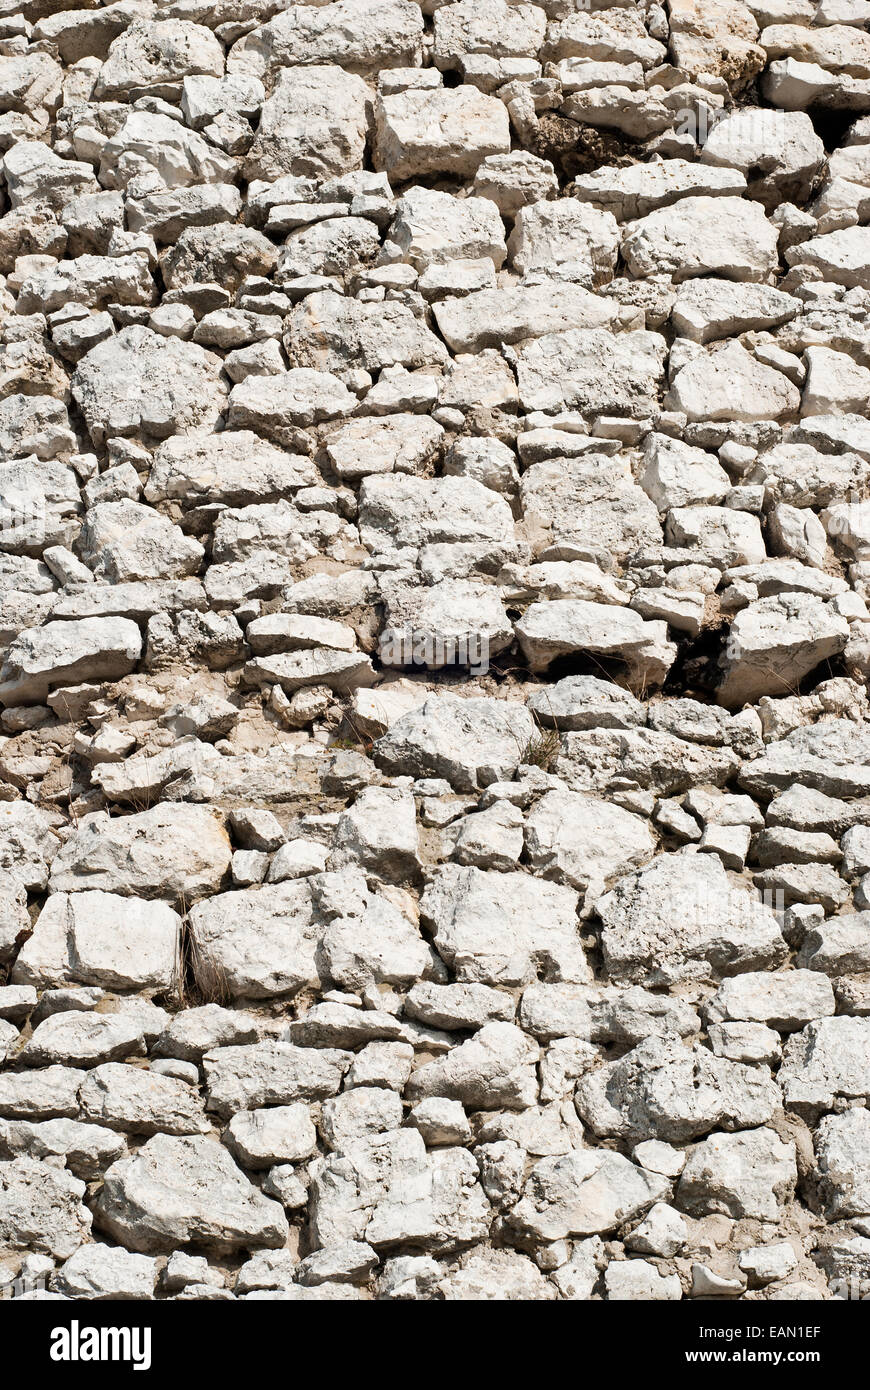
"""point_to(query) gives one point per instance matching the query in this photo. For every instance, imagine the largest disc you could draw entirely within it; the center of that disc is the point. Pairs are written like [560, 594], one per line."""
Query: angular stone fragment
[333, 333]
[319, 666]
[195, 1031]
[553, 629]
[62, 653]
[125, 541]
[458, 1006]
[778, 151]
[708, 308]
[637, 189]
[42, 1208]
[728, 383]
[702, 236]
[724, 536]
[470, 742]
[492, 1071]
[166, 213]
[611, 759]
[258, 942]
[101, 1272]
[665, 1090]
[433, 227]
[681, 915]
[269, 1073]
[842, 1155]
[235, 467]
[275, 405]
[719, 39]
[830, 757]
[501, 1275]
[616, 36]
[84, 1039]
[451, 623]
[489, 318]
[97, 938]
[512, 180]
[842, 256]
[121, 386]
[583, 242]
[281, 1134]
[742, 1175]
[828, 1059]
[389, 1191]
[389, 444]
[169, 851]
[445, 131]
[218, 253]
[501, 929]
[28, 845]
[313, 124]
[180, 1190]
[91, 281]
[774, 643]
[152, 58]
[585, 702]
[136, 1101]
[839, 946]
[593, 371]
[583, 1193]
[585, 841]
[785, 1000]
[386, 35]
[86, 1149]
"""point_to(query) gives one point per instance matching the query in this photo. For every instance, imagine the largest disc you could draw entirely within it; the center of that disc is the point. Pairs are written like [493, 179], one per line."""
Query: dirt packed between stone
[435, 742]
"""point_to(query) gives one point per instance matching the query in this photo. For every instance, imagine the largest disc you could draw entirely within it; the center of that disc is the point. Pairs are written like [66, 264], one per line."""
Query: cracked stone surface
[434, 650]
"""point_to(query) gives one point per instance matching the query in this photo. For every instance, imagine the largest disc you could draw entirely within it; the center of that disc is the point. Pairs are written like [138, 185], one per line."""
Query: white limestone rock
[171, 851]
[212, 1202]
[515, 313]
[314, 124]
[775, 642]
[575, 240]
[841, 1155]
[726, 236]
[497, 929]
[102, 1272]
[180, 157]
[444, 131]
[709, 308]
[638, 189]
[281, 1134]
[586, 1192]
[42, 1208]
[61, 653]
[432, 227]
[552, 629]
[152, 58]
[136, 1101]
[830, 1058]
[778, 151]
[386, 35]
[494, 1070]
[681, 915]
[121, 386]
[470, 742]
[585, 841]
[752, 1174]
[593, 371]
[665, 1090]
[728, 383]
[98, 938]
